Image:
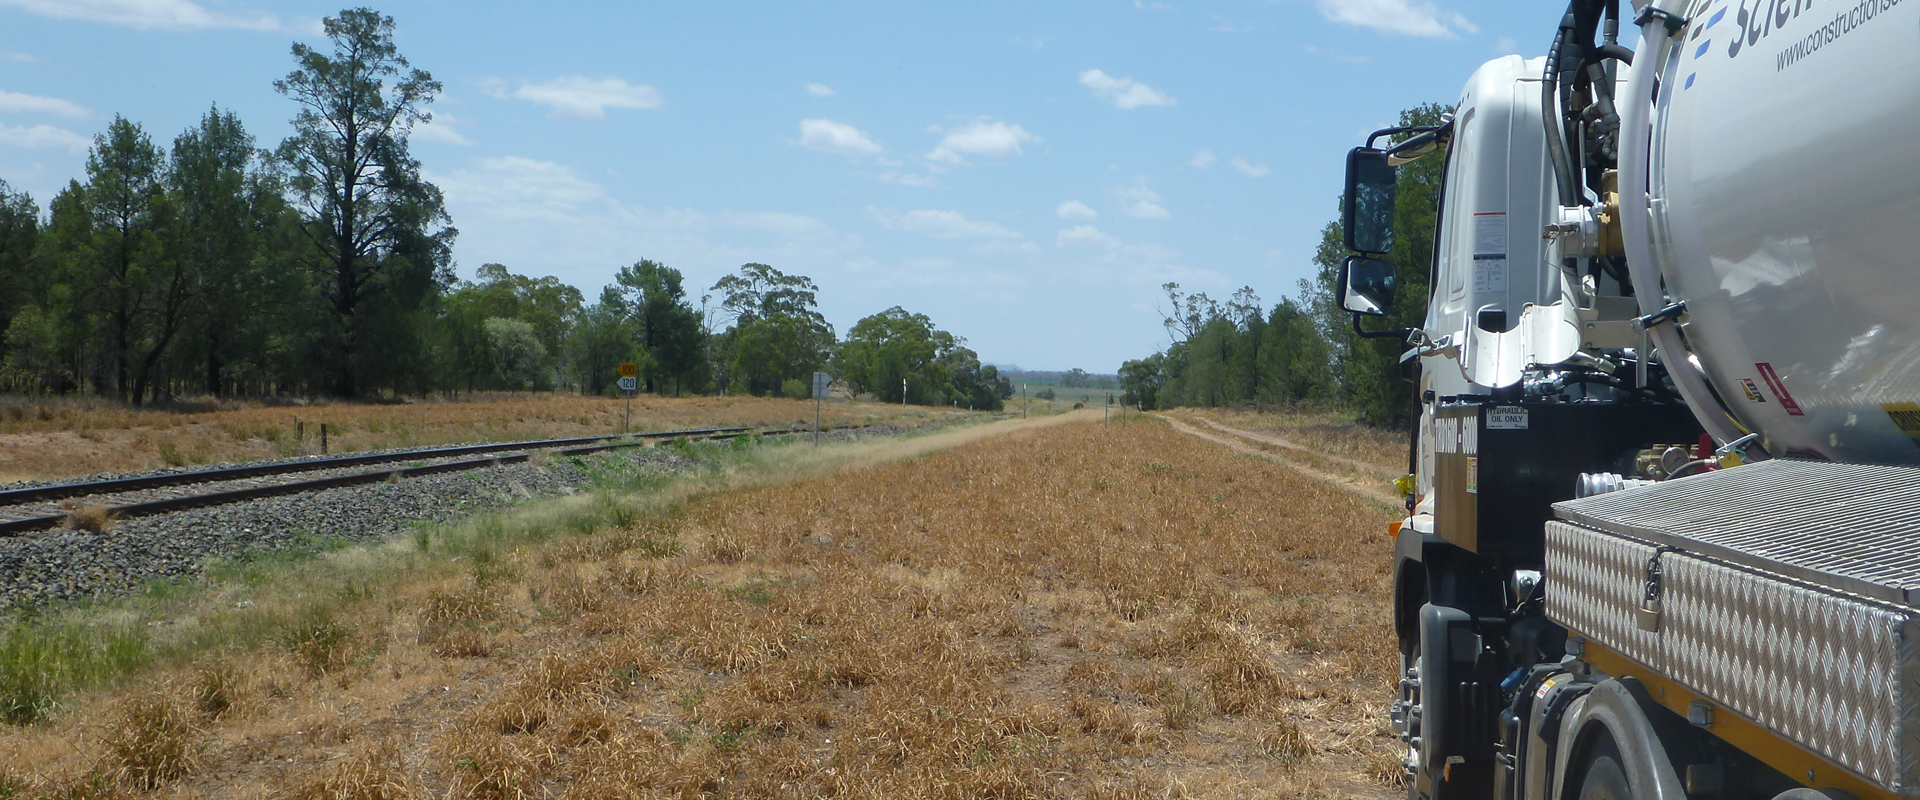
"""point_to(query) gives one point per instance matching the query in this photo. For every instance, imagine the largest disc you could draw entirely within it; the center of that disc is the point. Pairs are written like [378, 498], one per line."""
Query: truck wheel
[1605, 780]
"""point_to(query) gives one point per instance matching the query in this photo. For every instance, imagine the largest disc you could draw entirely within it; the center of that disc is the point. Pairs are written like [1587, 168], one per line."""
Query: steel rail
[57, 491]
[16, 527]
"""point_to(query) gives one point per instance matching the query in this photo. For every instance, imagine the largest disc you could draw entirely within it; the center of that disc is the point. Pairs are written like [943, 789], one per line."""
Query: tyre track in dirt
[1368, 489]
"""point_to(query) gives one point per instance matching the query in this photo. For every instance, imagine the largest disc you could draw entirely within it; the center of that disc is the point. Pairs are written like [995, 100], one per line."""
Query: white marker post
[822, 382]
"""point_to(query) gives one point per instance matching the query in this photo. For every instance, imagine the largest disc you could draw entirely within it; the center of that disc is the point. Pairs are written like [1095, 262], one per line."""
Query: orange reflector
[1393, 529]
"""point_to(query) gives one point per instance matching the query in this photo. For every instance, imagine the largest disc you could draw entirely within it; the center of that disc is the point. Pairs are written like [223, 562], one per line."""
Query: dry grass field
[1043, 610]
[61, 439]
[1329, 436]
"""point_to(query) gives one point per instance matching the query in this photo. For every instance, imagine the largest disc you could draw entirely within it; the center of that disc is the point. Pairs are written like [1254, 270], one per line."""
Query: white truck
[1663, 531]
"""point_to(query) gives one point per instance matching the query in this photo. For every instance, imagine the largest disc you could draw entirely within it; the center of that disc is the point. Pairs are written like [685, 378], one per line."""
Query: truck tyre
[1605, 779]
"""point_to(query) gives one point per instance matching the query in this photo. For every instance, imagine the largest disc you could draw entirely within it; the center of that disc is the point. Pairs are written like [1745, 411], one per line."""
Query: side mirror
[1417, 147]
[1367, 286]
[1367, 215]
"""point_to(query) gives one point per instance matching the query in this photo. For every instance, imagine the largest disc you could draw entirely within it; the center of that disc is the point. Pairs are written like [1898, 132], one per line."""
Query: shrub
[796, 388]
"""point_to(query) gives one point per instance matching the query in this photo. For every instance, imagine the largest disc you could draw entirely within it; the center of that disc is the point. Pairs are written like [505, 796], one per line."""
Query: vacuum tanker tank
[1783, 209]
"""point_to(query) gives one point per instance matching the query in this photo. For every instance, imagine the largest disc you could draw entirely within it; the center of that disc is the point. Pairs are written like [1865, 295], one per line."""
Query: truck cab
[1607, 584]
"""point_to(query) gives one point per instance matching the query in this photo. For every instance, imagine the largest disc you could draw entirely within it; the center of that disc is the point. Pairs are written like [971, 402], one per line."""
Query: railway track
[42, 507]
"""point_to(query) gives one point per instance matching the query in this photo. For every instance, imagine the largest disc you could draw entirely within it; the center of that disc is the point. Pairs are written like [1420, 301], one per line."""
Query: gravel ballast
[69, 565]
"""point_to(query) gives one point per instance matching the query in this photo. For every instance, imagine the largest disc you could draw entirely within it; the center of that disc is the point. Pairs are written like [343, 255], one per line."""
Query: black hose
[1550, 113]
[1614, 51]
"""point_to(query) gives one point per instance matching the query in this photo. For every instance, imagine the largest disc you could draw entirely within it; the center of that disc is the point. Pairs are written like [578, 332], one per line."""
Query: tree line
[1302, 351]
[323, 266]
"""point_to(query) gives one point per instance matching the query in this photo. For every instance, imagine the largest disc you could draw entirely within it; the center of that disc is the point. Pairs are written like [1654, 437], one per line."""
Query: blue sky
[1027, 174]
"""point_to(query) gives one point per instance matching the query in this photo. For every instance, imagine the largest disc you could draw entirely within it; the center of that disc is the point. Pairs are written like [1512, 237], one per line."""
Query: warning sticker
[1473, 476]
[1506, 418]
[1779, 388]
[1490, 251]
[1490, 235]
[1489, 274]
[1753, 392]
[1906, 417]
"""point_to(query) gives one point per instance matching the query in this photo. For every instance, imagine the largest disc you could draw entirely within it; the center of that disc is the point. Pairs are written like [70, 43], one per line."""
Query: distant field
[59, 439]
[1068, 395]
[1048, 609]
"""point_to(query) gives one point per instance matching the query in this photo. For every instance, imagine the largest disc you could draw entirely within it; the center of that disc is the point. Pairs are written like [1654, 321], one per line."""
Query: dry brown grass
[1325, 433]
[1063, 611]
[55, 439]
[82, 517]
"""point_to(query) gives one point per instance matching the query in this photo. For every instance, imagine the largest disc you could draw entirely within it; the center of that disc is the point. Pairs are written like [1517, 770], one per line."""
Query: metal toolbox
[1783, 591]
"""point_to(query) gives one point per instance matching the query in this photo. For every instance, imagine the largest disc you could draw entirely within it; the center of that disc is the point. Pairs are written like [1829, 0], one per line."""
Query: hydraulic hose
[1636, 222]
[1563, 177]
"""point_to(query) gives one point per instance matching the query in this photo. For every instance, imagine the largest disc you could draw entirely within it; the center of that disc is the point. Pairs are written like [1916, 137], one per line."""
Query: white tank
[1786, 214]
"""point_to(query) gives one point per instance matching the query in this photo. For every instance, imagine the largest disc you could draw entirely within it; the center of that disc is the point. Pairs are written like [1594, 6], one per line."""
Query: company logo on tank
[1768, 16]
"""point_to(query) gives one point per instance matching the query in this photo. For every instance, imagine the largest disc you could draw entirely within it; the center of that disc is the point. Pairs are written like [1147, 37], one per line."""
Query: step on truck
[1663, 530]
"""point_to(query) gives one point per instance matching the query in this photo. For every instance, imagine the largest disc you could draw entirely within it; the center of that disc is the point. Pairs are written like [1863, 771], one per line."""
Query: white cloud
[1141, 202]
[1251, 169]
[1221, 25]
[15, 56]
[981, 138]
[1505, 45]
[544, 218]
[834, 137]
[1000, 247]
[940, 224]
[1141, 262]
[1084, 235]
[583, 98]
[440, 129]
[909, 179]
[35, 104]
[1202, 159]
[819, 90]
[170, 14]
[43, 136]
[1406, 17]
[1123, 92]
[1074, 209]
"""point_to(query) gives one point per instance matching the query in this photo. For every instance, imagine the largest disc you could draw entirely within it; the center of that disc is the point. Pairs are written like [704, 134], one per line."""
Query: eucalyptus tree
[229, 215]
[664, 324]
[114, 268]
[19, 236]
[378, 231]
[778, 332]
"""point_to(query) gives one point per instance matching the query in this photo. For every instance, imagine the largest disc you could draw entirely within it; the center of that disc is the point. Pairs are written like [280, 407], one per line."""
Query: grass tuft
[320, 644]
[152, 742]
[374, 771]
[89, 518]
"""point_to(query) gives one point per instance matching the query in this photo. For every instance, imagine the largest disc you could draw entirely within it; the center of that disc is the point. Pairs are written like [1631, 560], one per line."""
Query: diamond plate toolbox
[1834, 671]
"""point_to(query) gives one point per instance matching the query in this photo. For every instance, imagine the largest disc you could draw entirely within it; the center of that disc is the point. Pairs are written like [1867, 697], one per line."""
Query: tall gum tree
[124, 262]
[375, 224]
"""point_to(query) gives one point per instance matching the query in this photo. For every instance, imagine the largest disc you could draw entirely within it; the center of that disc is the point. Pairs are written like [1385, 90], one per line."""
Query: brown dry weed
[1064, 611]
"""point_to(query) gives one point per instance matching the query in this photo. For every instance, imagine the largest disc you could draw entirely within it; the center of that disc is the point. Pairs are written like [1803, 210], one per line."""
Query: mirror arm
[1397, 333]
[1396, 131]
